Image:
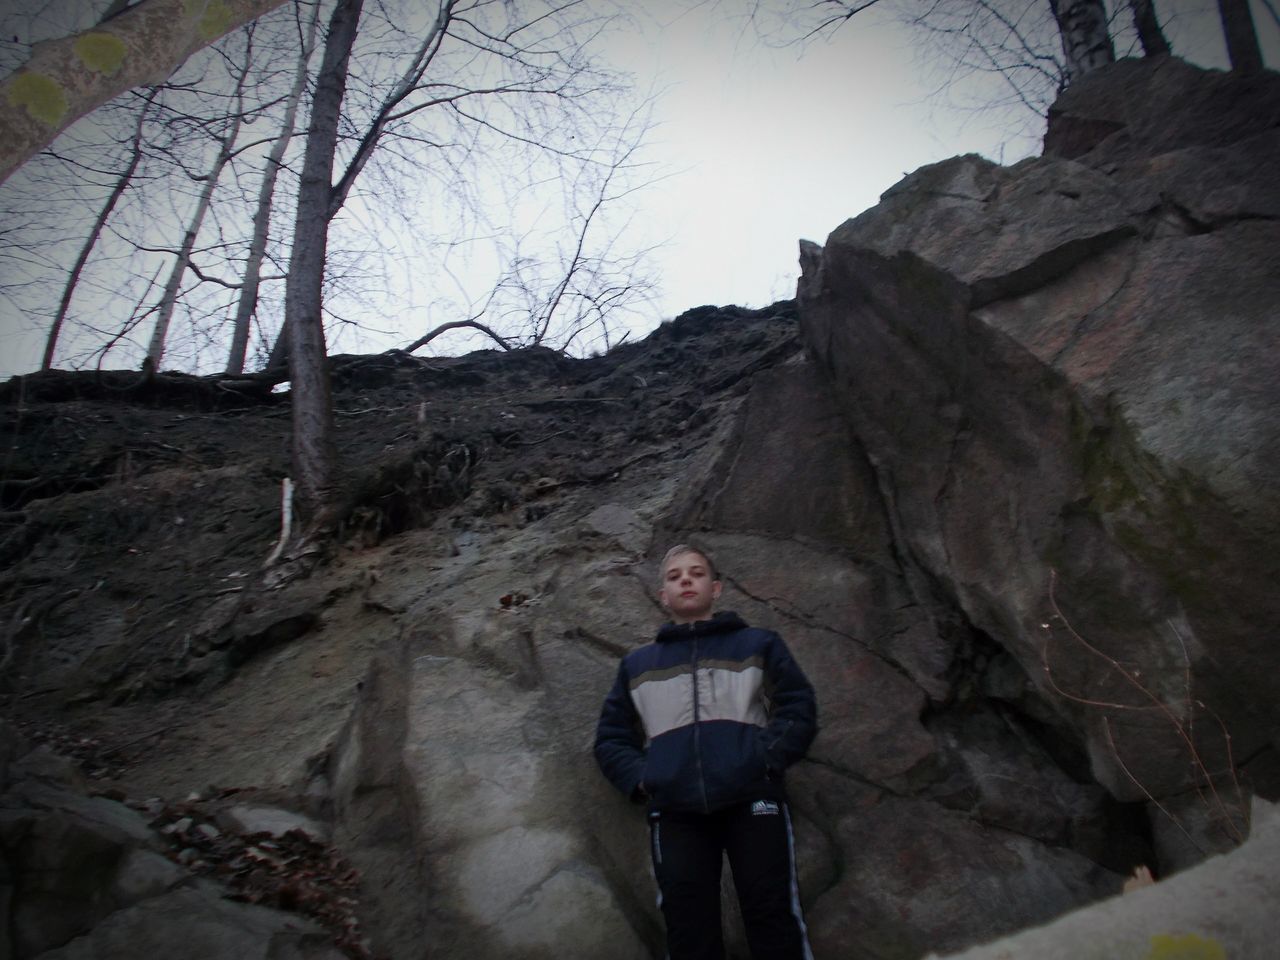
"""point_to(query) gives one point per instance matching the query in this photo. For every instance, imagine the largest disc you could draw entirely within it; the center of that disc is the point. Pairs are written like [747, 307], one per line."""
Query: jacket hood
[721, 622]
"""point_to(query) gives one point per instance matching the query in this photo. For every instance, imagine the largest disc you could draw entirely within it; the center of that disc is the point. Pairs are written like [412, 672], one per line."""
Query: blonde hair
[680, 548]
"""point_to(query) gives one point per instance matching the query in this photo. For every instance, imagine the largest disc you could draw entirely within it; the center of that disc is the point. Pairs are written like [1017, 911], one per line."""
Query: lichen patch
[215, 21]
[42, 96]
[101, 52]
[1187, 946]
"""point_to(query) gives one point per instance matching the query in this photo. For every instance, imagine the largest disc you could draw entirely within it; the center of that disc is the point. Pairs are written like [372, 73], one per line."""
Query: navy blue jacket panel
[708, 715]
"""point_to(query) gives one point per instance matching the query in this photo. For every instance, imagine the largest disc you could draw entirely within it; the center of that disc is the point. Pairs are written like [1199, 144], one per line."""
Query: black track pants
[686, 850]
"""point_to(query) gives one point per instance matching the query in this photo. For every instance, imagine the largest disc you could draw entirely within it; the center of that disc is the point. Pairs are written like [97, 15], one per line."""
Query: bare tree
[314, 457]
[247, 301]
[455, 107]
[1271, 8]
[1013, 56]
[1242, 37]
[209, 183]
[1086, 39]
[1009, 51]
[1145, 22]
[1017, 44]
[573, 287]
[458, 97]
[123, 182]
[68, 77]
[479, 77]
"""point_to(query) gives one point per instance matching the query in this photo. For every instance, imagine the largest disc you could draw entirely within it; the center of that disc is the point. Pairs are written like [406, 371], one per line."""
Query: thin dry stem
[1115, 752]
[1203, 778]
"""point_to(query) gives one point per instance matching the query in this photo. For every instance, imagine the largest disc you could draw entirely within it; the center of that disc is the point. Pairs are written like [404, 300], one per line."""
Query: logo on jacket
[764, 808]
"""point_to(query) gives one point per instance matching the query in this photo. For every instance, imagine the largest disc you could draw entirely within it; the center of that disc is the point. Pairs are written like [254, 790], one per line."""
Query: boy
[701, 724]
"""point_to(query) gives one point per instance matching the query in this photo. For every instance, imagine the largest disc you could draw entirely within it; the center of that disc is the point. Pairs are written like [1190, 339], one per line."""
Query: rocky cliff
[1000, 475]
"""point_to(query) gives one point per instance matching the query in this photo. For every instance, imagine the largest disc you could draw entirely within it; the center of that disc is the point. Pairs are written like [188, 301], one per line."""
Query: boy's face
[688, 591]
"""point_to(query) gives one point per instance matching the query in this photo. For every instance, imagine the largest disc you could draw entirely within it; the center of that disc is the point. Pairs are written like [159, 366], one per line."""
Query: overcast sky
[776, 144]
[783, 144]
[760, 146]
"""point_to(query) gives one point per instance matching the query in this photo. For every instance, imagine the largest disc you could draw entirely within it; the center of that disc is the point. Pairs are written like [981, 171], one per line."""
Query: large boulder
[1224, 907]
[87, 877]
[1064, 376]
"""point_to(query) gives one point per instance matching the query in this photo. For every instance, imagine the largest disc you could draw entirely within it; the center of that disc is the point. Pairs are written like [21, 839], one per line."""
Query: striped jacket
[709, 714]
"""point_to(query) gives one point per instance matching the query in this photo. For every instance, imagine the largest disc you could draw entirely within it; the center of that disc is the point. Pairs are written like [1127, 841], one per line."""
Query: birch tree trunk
[91, 241]
[314, 457]
[247, 302]
[169, 299]
[1241, 36]
[68, 77]
[1150, 35]
[1086, 44]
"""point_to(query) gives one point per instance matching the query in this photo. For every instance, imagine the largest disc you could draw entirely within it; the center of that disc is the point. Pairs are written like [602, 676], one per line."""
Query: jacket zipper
[697, 739]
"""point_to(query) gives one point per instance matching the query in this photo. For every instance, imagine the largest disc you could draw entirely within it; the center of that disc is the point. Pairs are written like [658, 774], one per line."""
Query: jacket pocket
[642, 785]
[770, 744]
[660, 771]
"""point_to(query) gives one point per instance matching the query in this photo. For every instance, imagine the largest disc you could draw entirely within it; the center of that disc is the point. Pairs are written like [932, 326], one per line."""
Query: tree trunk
[314, 457]
[407, 83]
[279, 355]
[1241, 36]
[68, 77]
[1145, 22]
[1086, 44]
[169, 299]
[247, 303]
[122, 184]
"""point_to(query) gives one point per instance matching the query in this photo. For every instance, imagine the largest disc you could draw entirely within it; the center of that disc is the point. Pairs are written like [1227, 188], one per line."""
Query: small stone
[246, 819]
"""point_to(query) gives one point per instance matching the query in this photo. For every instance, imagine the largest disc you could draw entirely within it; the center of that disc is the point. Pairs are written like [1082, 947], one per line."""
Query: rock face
[1224, 907]
[1005, 489]
[1064, 376]
[86, 879]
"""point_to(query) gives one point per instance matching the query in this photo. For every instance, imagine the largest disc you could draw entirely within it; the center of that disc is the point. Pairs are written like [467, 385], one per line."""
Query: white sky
[765, 146]
[775, 145]
[788, 143]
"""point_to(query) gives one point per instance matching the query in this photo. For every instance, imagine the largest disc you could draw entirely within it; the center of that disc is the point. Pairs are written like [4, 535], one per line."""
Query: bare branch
[457, 325]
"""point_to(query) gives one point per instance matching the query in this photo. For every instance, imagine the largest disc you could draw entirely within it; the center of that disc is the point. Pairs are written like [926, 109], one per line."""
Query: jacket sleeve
[793, 714]
[619, 741]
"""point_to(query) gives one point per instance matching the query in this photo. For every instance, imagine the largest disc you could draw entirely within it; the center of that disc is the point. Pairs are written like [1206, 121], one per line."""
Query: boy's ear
[716, 587]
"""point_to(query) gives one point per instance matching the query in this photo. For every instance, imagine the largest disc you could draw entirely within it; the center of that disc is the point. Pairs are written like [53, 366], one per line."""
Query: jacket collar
[722, 622]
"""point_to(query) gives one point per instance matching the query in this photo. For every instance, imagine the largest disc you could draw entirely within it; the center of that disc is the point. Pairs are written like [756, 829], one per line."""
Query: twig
[361, 413]
[1115, 752]
[545, 400]
[550, 436]
[1184, 731]
[1226, 736]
